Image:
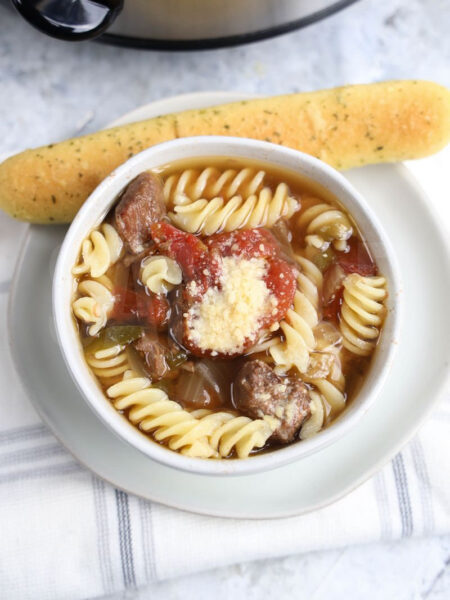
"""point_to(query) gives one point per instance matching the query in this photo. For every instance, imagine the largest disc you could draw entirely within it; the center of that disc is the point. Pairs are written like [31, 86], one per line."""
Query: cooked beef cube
[155, 355]
[260, 391]
[141, 205]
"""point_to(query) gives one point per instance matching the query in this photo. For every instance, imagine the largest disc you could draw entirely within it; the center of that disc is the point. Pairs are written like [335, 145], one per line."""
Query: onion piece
[208, 386]
[327, 337]
[218, 374]
[283, 236]
[332, 282]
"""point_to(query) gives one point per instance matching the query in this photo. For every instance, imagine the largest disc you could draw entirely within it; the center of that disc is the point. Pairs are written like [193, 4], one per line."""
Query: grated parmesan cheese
[229, 315]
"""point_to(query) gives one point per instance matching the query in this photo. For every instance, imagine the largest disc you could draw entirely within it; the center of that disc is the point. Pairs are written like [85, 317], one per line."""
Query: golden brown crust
[346, 127]
[49, 184]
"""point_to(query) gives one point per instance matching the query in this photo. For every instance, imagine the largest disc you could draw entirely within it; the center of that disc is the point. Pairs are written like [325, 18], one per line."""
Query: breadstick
[346, 127]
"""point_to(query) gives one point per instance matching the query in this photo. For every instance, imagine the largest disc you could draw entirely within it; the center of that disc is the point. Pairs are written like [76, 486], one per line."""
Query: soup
[227, 307]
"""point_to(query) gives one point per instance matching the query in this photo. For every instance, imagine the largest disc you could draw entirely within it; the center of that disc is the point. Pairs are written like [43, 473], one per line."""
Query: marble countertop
[51, 90]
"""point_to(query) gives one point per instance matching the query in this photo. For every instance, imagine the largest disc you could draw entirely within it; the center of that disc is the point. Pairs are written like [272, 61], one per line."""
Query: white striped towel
[66, 534]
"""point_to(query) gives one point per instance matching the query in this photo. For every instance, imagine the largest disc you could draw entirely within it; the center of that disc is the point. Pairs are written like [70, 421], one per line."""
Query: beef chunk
[160, 355]
[155, 355]
[141, 205]
[260, 391]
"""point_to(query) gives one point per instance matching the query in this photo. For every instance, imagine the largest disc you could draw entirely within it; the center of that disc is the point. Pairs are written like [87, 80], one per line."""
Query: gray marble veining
[51, 90]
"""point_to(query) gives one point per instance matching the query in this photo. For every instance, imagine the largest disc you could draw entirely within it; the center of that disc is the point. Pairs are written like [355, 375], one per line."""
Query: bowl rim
[93, 212]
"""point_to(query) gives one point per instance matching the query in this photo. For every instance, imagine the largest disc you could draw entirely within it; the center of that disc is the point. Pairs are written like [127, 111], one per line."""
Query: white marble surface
[408, 570]
[50, 90]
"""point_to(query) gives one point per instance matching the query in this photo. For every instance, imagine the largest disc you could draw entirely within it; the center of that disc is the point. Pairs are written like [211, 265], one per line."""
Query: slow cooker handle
[70, 20]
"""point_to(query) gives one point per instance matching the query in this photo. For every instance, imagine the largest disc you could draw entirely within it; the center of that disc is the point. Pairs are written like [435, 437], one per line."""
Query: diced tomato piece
[157, 310]
[281, 281]
[245, 243]
[357, 259]
[138, 306]
[189, 251]
[125, 305]
[260, 243]
[201, 262]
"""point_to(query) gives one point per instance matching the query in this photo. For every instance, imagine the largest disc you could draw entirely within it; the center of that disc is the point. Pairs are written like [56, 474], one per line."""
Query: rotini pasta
[191, 185]
[99, 251]
[310, 281]
[239, 433]
[332, 389]
[300, 321]
[243, 434]
[151, 409]
[258, 210]
[108, 363]
[316, 420]
[263, 345]
[362, 312]
[160, 274]
[299, 343]
[94, 303]
[199, 434]
[325, 224]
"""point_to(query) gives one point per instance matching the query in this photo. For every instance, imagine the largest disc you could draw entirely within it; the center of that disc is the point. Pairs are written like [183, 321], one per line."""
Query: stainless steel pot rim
[139, 43]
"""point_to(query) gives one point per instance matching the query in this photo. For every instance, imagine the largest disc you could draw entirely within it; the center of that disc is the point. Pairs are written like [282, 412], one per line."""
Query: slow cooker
[173, 24]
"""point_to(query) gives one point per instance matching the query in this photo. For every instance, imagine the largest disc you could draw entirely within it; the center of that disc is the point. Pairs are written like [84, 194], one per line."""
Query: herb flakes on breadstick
[346, 127]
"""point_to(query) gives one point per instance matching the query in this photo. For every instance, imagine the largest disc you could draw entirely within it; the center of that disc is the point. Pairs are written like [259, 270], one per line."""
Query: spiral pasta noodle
[329, 378]
[108, 363]
[362, 312]
[232, 432]
[258, 210]
[198, 434]
[160, 274]
[315, 422]
[325, 224]
[191, 184]
[99, 251]
[94, 303]
[151, 409]
[263, 346]
[299, 323]
[332, 391]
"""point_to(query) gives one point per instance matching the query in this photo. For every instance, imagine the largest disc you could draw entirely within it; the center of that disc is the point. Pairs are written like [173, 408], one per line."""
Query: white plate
[413, 386]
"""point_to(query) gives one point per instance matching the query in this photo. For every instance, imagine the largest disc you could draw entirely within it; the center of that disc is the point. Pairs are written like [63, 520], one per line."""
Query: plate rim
[154, 498]
[404, 172]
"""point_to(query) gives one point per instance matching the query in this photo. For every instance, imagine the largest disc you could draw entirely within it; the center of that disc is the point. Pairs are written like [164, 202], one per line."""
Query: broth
[207, 383]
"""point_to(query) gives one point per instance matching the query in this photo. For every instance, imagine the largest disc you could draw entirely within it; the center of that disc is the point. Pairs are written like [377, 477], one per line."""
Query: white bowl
[95, 209]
